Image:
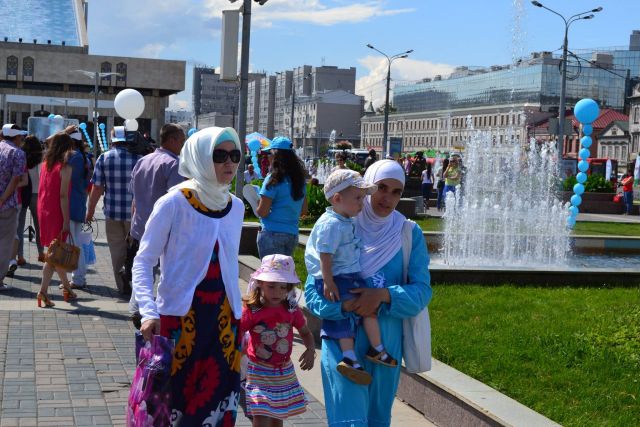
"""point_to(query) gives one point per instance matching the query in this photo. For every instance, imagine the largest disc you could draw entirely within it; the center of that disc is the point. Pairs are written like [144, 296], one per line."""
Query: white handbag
[416, 331]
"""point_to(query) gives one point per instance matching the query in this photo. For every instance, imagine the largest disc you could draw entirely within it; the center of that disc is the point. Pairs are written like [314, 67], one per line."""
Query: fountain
[506, 211]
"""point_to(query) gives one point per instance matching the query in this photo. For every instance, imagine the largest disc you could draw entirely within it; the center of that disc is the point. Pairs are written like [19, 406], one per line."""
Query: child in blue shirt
[332, 258]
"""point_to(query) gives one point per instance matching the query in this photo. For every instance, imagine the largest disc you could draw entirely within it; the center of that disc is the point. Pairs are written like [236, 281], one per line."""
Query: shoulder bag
[416, 331]
[62, 254]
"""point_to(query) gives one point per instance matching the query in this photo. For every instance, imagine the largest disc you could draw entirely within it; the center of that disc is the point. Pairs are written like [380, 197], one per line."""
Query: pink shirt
[271, 333]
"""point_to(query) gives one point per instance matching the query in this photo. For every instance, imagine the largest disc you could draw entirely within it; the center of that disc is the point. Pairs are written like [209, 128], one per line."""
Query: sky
[288, 33]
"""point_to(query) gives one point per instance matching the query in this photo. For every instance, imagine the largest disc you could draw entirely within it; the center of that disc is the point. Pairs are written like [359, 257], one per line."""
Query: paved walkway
[72, 365]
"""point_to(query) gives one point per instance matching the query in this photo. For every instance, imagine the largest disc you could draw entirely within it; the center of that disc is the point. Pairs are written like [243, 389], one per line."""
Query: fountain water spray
[506, 212]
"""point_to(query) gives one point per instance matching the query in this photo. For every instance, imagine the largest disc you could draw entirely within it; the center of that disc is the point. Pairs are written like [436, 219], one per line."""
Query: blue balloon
[191, 131]
[573, 211]
[83, 126]
[586, 110]
[254, 145]
[587, 129]
[586, 141]
[571, 222]
[578, 189]
[581, 177]
[102, 126]
[576, 200]
[584, 153]
[51, 116]
[583, 165]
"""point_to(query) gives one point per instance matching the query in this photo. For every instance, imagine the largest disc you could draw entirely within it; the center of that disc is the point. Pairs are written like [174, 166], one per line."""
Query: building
[210, 94]
[610, 137]
[613, 142]
[433, 113]
[213, 95]
[183, 117]
[45, 66]
[323, 99]
[266, 111]
[634, 123]
[316, 116]
[253, 104]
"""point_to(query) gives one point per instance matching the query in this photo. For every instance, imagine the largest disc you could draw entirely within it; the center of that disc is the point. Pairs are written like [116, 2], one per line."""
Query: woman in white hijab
[194, 230]
[380, 228]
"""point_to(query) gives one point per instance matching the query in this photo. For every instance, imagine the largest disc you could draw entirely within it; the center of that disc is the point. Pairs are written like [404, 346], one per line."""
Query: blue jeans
[272, 242]
[344, 328]
[628, 201]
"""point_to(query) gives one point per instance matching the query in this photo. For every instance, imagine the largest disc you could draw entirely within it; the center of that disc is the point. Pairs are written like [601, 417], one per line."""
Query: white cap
[10, 133]
[341, 179]
[119, 134]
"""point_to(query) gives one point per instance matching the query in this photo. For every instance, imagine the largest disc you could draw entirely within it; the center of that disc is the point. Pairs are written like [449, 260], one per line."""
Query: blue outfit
[335, 234]
[352, 405]
[79, 182]
[113, 172]
[279, 234]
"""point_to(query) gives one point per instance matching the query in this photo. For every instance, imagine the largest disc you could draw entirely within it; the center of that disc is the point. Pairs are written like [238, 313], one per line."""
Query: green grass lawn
[570, 354]
[582, 227]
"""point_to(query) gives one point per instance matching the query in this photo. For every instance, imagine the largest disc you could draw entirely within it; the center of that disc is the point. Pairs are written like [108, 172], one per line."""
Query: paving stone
[72, 365]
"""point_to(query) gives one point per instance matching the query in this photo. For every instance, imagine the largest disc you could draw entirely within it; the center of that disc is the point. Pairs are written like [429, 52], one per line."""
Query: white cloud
[372, 86]
[316, 12]
[180, 101]
[151, 50]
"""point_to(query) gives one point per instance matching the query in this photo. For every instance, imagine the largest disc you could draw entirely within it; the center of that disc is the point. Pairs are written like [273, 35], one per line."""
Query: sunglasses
[221, 156]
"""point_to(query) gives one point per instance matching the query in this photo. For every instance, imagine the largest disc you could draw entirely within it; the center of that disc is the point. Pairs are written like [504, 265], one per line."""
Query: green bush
[354, 166]
[316, 202]
[596, 183]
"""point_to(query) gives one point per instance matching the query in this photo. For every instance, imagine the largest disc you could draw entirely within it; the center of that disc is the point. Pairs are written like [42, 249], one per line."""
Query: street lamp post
[390, 59]
[244, 86]
[96, 75]
[563, 84]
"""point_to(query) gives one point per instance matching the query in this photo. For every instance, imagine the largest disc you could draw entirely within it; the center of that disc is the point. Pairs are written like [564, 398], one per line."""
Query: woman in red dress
[53, 209]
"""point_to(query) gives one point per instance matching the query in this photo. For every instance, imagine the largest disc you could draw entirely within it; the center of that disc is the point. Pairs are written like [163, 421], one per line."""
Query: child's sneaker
[381, 357]
[357, 375]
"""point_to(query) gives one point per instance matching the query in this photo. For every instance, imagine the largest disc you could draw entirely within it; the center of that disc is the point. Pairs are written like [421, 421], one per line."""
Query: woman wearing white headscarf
[380, 227]
[194, 230]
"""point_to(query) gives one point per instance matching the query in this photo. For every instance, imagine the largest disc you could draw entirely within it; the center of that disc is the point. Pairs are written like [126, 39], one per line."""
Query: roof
[623, 125]
[604, 119]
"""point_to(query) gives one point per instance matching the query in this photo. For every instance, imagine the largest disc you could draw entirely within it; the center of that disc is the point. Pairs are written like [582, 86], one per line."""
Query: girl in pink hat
[269, 315]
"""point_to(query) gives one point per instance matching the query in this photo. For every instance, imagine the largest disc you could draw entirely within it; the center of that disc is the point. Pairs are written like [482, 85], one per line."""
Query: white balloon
[129, 104]
[131, 124]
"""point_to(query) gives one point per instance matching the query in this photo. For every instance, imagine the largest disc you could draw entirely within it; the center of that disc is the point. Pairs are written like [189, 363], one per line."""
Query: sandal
[356, 375]
[381, 358]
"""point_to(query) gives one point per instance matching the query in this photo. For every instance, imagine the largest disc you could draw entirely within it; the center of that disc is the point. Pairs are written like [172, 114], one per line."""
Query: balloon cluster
[129, 104]
[254, 146]
[83, 129]
[586, 111]
[56, 123]
[103, 132]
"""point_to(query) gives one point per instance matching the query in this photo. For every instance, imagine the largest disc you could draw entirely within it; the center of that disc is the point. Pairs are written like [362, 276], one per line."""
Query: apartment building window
[636, 114]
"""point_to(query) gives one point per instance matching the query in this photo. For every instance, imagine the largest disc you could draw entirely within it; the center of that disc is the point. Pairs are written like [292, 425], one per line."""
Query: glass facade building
[40, 20]
[535, 82]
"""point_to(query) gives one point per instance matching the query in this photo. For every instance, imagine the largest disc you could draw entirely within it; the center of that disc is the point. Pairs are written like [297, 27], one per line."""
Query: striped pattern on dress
[274, 391]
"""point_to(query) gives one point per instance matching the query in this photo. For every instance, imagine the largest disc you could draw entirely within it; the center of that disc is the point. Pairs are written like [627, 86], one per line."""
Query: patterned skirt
[274, 391]
[205, 372]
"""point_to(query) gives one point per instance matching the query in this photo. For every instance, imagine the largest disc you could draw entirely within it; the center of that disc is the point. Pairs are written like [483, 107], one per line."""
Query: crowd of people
[173, 229]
